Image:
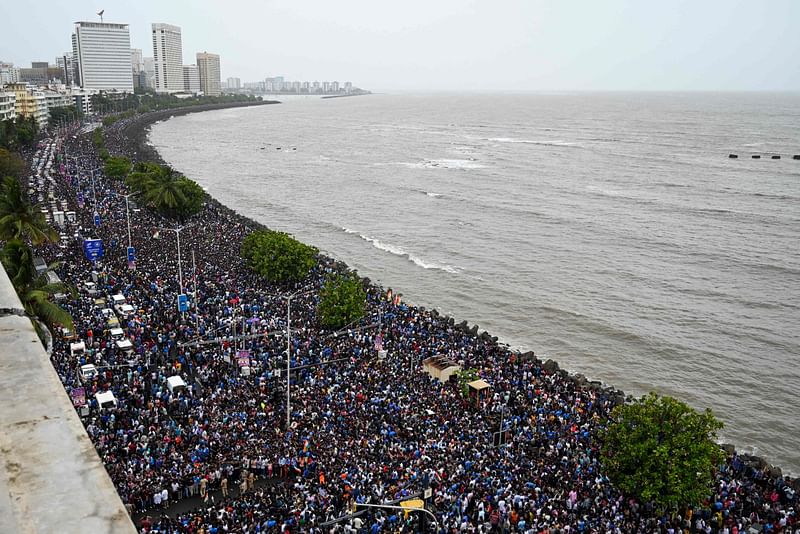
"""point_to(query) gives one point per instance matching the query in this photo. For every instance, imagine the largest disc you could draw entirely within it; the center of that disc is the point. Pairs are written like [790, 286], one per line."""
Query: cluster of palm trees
[23, 224]
[165, 190]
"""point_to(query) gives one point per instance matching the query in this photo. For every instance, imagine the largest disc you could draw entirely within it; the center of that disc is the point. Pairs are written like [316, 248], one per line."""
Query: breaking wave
[398, 251]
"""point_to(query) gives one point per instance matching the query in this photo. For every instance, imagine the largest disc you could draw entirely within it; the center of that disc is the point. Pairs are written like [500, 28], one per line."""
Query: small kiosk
[478, 391]
[440, 367]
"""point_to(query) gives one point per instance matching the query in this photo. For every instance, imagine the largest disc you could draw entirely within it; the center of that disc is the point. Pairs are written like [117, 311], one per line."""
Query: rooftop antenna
[100, 14]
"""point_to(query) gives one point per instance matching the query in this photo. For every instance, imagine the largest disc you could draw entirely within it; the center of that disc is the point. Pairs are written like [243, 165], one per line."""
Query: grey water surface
[610, 232]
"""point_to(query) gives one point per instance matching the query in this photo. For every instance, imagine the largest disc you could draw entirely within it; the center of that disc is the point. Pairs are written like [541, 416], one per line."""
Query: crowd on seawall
[363, 429]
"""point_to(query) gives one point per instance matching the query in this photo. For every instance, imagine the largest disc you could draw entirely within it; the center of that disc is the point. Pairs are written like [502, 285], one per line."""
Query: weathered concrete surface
[51, 479]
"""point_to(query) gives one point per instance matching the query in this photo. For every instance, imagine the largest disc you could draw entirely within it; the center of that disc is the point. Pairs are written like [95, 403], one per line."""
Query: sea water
[610, 232]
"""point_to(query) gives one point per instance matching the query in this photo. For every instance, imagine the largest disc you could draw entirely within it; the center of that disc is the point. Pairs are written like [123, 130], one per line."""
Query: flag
[389, 294]
[397, 299]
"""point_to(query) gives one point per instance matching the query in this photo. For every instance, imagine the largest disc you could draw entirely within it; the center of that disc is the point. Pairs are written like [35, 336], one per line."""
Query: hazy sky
[472, 45]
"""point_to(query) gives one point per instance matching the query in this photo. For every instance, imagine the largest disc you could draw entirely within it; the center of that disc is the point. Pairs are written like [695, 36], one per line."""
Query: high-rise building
[64, 64]
[149, 73]
[137, 61]
[191, 79]
[102, 51]
[167, 58]
[234, 83]
[209, 73]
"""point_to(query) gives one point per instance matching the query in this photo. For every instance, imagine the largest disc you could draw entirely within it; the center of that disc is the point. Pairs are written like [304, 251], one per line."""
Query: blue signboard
[131, 254]
[183, 302]
[93, 248]
[96, 219]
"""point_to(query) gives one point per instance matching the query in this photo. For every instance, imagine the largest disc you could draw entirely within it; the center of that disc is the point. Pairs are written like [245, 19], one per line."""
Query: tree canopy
[19, 219]
[166, 191]
[63, 113]
[117, 167]
[34, 290]
[660, 450]
[342, 301]
[10, 164]
[277, 256]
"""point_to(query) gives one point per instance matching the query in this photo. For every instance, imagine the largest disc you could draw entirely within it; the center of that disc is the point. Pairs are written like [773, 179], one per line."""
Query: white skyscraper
[167, 58]
[102, 55]
[137, 61]
[209, 73]
[191, 79]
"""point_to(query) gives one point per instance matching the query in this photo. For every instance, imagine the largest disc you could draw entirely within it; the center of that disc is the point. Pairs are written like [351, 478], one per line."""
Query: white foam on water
[399, 251]
[546, 142]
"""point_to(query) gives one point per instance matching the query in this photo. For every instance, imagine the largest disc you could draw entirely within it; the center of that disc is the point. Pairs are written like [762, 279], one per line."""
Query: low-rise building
[7, 105]
[30, 102]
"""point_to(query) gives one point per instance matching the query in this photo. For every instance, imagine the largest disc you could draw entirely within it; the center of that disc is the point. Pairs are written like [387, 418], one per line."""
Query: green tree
[63, 113]
[34, 291]
[97, 137]
[166, 191]
[26, 130]
[277, 256]
[465, 376]
[19, 219]
[658, 449]
[117, 167]
[342, 301]
[10, 164]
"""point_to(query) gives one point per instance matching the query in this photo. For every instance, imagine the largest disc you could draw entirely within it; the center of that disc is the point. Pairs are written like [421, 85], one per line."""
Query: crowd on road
[364, 429]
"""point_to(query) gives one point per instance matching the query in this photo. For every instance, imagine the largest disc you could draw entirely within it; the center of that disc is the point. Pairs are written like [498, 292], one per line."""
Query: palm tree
[18, 218]
[34, 290]
[165, 192]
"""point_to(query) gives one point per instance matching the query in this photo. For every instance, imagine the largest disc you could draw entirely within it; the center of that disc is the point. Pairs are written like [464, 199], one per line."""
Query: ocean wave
[399, 251]
[532, 141]
[444, 163]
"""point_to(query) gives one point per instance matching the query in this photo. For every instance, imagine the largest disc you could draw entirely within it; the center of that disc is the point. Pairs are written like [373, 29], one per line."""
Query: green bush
[660, 450]
[277, 256]
[342, 301]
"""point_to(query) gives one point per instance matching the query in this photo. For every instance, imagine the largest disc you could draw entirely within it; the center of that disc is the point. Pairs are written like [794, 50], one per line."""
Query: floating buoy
[756, 156]
[733, 156]
[796, 156]
[776, 157]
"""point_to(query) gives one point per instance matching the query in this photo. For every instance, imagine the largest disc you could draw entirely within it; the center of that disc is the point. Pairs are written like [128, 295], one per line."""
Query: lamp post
[178, 236]
[303, 291]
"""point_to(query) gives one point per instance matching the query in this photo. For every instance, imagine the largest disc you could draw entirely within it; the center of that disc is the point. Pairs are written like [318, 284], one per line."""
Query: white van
[106, 400]
[118, 300]
[125, 310]
[125, 345]
[77, 349]
[88, 372]
[175, 384]
[117, 333]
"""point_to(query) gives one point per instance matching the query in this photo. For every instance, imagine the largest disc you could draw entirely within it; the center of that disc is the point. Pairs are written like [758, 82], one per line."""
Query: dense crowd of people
[364, 429]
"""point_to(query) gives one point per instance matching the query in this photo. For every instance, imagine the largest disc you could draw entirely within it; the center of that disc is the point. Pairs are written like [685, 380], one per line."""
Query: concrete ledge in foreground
[51, 479]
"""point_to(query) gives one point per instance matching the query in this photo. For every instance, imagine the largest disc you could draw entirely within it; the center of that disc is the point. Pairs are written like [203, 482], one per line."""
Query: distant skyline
[453, 45]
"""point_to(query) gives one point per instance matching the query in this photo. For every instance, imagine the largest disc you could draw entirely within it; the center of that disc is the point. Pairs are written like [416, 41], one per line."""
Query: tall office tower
[167, 58]
[64, 64]
[102, 52]
[209, 73]
[149, 73]
[137, 61]
[234, 83]
[191, 79]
